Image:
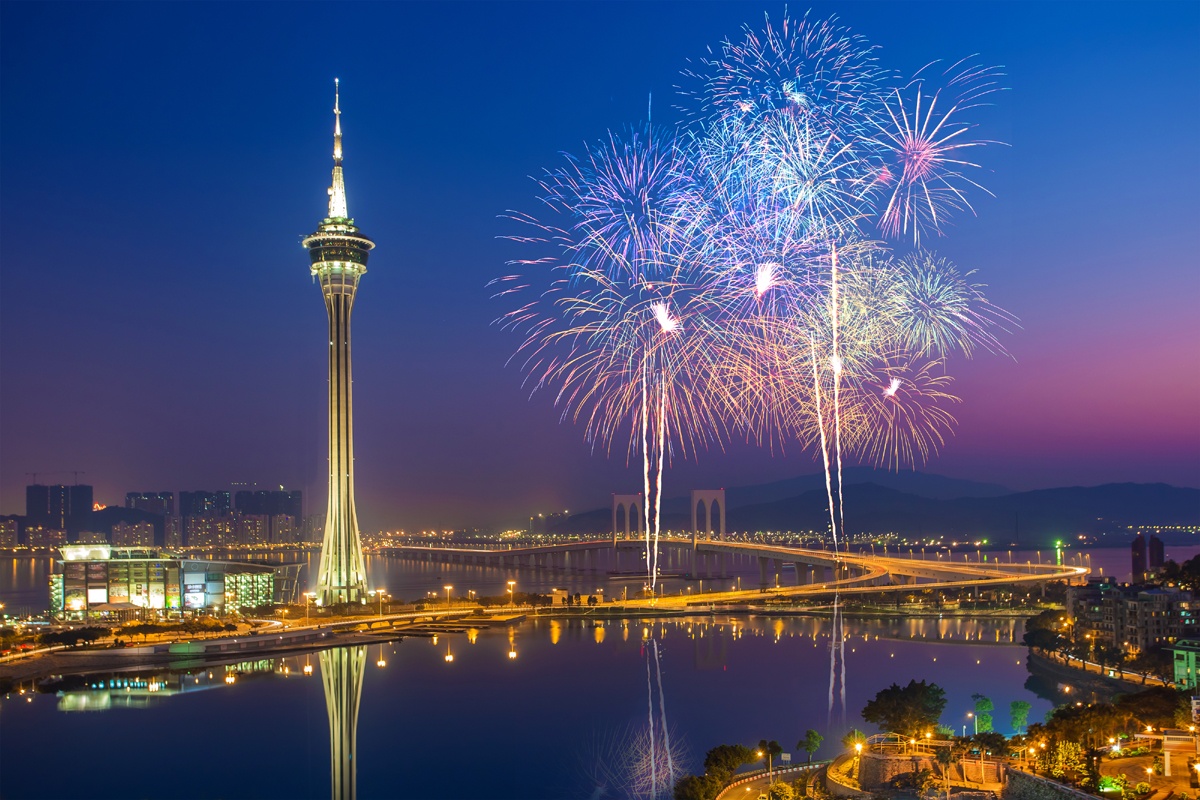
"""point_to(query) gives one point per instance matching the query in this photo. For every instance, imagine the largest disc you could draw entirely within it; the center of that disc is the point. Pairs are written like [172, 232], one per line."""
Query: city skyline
[168, 378]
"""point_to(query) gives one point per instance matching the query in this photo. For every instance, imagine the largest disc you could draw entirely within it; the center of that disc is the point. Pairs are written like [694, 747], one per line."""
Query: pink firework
[925, 144]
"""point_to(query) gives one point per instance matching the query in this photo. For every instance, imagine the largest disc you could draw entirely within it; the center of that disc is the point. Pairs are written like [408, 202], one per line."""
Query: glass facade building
[92, 579]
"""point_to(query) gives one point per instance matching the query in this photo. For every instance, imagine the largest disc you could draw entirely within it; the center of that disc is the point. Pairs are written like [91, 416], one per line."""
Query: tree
[781, 791]
[991, 742]
[725, 759]
[910, 710]
[810, 743]
[1158, 706]
[983, 712]
[1157, 661]
[855, 736]
[1018, 711]
[945, 757]
[913, 783]
[697, 787]
[768, 751]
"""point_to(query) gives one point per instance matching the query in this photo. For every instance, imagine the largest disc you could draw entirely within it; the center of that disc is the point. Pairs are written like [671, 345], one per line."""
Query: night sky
[159, 164]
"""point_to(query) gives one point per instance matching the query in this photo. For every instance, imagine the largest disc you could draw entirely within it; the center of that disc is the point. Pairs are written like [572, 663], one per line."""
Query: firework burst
[726, 279]
[925, 146]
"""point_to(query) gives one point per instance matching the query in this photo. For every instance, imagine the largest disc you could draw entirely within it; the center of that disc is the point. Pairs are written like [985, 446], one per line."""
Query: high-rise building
[57, 506]
[193, 504]
[162, 503]
[283, 529]
[1146, 556]
[268, 502]
[338, 258]
[215, 529]
[133, 534]
[253, 528]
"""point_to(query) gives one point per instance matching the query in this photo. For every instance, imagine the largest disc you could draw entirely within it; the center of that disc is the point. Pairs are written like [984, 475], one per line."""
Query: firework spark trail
[662, 441]
[837, 400]
[646, 458]
[824, 448]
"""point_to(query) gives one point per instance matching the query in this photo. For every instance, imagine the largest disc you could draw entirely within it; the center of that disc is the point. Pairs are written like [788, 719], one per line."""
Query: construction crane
[75, 473]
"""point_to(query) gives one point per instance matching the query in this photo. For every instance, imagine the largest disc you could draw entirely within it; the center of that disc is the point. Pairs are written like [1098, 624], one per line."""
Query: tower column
[338, 255]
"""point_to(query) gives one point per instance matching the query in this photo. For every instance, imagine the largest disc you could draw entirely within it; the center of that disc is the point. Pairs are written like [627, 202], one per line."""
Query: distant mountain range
[915, 503]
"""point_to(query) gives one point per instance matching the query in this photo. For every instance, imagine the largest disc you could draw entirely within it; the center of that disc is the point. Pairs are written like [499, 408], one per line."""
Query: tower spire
[337, 191]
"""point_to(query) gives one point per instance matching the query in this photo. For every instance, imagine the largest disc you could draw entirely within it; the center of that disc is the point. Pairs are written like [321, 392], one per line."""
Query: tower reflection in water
[342, 671]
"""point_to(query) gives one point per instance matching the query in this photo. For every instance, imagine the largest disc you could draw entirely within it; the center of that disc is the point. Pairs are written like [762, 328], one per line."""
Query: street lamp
[971, 715]
[308, 597]
[381, 594]
[447, 588]
[511, 584]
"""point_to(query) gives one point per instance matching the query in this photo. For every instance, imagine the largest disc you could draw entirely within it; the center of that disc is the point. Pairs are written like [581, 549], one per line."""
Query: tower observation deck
[338, 255]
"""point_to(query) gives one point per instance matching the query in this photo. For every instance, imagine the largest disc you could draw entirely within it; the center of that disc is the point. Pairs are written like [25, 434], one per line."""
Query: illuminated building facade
[133, 534]
[338, 258]
[8, 532]
[94, 579]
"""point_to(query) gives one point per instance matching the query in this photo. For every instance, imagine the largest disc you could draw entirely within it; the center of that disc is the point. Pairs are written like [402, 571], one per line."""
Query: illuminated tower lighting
[338, 255]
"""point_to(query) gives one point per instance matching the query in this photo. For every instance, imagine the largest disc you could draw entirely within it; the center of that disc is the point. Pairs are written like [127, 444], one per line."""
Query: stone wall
[875, 770]
[841, 784]
[1023, 786]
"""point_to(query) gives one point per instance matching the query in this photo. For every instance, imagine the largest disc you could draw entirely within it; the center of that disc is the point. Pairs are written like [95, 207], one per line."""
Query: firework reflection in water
[641, 761]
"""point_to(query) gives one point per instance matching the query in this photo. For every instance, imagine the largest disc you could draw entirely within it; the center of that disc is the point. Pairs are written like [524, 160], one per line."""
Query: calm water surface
[566, 718]
[572, 715]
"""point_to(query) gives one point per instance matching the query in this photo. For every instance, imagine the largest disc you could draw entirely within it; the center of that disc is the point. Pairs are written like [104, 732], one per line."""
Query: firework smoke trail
[662, 711]
[650, 724]
[832, 651]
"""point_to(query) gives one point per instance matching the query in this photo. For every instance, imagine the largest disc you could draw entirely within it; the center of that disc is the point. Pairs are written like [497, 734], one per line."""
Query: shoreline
[37, 668]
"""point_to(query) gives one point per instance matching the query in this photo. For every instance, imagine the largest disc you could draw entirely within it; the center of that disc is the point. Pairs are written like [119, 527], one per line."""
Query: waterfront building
[1132, 618]
[9, 531]
[97, 579]
[214, 529]
[314, 528]
[194, 504]
[253, 529]
[41, 536]
[283, 529]
[337, 260]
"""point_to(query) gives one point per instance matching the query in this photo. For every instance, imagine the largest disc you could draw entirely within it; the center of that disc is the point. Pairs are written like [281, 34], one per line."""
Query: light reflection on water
[563, 707]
